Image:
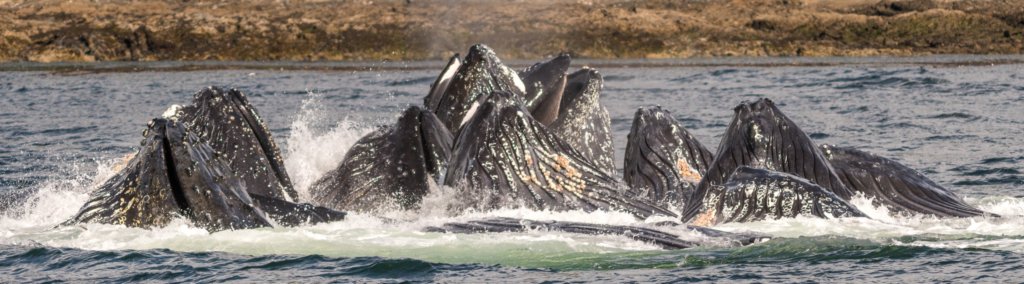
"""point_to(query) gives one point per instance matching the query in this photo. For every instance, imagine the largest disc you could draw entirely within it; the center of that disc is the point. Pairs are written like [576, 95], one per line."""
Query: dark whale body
[232, 127]
[756, 194]
[665, 240]
[177, 175]
[141, 194]
[390, 168]
[479, 74]
[545, 83]
[440, 86]
[583, 122]
[662, 158]
[294, 214]
[899, 188]
[568, 104]
[760, 136]
[505, 159]
[217, 170]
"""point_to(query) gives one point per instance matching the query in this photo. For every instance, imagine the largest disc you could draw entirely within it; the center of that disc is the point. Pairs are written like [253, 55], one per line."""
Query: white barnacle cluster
[787, 195]
[171, 112]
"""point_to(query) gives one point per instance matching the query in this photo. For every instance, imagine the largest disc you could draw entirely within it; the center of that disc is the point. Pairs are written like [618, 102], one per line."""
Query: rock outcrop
[109, 30]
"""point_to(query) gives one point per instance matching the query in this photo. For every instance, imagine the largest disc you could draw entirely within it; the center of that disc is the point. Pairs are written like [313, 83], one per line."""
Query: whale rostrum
[662, 158]
[479, 74]
[390, 168]
[545, 83]
[583, 122]
[440, 86]
[230, 125]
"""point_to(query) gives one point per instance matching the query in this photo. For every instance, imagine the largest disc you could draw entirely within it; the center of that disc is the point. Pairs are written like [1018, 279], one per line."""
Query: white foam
[884, 227]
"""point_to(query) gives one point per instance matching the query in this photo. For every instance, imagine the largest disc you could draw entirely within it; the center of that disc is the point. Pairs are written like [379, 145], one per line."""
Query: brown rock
[77, 30]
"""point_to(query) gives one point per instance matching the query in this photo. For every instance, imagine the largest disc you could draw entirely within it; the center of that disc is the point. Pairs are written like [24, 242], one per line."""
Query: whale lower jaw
[505, 159]
[176, 175]
[648, 235]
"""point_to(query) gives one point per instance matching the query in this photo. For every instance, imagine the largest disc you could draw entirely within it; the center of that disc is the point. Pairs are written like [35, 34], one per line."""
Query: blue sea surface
[957, 119]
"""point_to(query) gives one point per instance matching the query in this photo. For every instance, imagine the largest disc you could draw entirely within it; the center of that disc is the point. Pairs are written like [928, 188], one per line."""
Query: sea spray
[312, 151]
[58, 198]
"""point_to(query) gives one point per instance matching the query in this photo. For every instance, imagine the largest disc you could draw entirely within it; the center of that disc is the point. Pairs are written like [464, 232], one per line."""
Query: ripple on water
[60, 140]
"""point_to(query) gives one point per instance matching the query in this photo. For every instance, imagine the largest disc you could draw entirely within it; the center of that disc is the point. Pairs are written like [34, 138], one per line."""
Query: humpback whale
[761, 136]
[177, 174]
[665, 240]
[583, 122]
[757, 194]
[505, 158]
[232, 127]
[568, 104]
[141, 194]
[479, 74]
[662, 158]
[899, 188]
[545, 82]
[390, 168]
[440, 85]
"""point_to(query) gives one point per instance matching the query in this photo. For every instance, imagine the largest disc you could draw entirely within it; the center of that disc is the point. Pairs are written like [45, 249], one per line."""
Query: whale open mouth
[390, 168]
[174, 174]
[663, 158]
[177, 175]
[230, 125]
[505, 158]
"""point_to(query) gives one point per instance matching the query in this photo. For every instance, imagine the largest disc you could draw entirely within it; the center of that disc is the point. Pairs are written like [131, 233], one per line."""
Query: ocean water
[957, 119]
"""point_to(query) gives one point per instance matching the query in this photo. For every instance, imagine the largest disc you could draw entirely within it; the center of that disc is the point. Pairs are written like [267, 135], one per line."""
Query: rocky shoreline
[118, 30]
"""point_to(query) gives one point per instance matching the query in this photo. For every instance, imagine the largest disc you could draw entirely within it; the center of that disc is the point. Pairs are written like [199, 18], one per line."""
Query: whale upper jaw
[899, 188]
[663, 158]
[391, 168]
[545, 83]
[231, 125]
[440, 85]
[478, 75]
[583, 122]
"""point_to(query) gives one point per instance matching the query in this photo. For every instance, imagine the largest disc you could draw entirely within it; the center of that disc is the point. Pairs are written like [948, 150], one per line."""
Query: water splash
[56, 200]
[312, 152]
